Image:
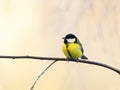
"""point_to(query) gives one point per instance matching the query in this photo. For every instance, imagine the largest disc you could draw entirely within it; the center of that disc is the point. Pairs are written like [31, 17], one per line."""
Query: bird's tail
[84, 57]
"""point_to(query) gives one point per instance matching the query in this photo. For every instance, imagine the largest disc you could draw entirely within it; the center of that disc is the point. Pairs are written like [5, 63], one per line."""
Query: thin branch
[59, 59]
[42, 74]
[63, 59]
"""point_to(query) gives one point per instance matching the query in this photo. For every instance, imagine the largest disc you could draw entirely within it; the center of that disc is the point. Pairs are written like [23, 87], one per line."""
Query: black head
[68, 37]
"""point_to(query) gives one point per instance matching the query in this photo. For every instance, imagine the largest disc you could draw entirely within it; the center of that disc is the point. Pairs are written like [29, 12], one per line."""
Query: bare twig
[60, 59]
[41, 75]
[63, 59]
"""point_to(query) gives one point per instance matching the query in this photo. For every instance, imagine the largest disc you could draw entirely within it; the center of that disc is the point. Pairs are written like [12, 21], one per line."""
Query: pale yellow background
[35, 27]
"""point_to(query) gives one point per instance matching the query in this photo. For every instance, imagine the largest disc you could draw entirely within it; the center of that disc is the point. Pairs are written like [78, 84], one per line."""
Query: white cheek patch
[70, 40]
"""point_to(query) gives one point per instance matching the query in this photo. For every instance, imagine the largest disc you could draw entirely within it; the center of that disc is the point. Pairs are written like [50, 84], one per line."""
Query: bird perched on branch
[72, 48]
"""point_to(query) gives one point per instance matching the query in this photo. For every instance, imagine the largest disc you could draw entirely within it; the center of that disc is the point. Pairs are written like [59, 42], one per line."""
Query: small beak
[63, 37]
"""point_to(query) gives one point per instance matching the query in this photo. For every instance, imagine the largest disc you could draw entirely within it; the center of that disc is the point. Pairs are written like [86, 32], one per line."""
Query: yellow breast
[74, 49]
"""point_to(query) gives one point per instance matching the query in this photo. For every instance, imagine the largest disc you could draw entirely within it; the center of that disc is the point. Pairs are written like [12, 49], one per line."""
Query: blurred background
[36, 27]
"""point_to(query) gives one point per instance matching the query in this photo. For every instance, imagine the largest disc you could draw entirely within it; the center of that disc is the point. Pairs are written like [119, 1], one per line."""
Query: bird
[72, 47]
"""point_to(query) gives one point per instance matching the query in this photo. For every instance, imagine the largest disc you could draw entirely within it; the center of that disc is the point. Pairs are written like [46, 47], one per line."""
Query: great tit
[72, 47]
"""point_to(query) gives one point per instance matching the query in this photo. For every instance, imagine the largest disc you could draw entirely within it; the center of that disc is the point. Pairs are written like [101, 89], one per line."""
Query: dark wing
[80, 45]
[83, 56]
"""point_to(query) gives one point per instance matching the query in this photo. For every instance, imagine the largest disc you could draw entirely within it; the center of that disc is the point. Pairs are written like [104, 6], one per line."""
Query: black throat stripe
[68, 51]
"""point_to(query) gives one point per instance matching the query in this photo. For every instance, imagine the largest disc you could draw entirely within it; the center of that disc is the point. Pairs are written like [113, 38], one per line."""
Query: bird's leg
[74, 59]
[68, 59]
[77, 60]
